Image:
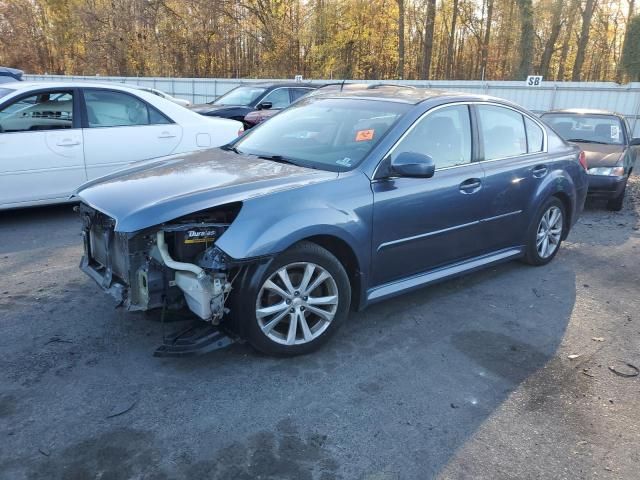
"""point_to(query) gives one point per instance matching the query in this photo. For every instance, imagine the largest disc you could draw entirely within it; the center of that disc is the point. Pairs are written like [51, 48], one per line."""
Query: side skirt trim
[411, 283]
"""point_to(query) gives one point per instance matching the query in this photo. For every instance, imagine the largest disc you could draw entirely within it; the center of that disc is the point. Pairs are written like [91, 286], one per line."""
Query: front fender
[269, 225]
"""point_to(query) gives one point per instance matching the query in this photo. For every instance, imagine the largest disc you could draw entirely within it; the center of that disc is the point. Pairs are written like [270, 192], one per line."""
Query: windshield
[5, 91]
[573, 127]
[325, 133]
[240, 96]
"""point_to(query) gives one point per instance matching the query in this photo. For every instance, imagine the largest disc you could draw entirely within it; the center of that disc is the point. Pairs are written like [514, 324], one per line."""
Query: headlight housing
[607, 171]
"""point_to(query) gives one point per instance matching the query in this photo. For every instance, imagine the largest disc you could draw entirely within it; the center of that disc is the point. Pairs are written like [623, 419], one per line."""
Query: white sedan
[56, 136]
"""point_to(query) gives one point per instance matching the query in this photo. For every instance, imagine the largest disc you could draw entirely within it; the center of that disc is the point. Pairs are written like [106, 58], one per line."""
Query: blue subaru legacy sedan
[340, 201]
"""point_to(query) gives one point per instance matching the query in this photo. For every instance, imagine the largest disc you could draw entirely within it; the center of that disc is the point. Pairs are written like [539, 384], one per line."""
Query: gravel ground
[468, 379]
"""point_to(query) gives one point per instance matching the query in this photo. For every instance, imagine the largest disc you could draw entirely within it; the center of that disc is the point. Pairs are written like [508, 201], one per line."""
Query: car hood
[161, 190]
[602, 155]
[209, 108]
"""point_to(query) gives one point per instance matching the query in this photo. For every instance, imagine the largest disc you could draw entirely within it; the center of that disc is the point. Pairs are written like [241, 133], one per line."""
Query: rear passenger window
[116, 109]
[444, 135]
[502, 130]
[534, 135]
[296, 93]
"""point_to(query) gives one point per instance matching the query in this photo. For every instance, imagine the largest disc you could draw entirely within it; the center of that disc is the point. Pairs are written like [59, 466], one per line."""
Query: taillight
[582, 158]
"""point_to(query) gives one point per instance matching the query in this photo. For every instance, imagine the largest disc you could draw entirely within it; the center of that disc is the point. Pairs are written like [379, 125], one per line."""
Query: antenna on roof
[342, 84]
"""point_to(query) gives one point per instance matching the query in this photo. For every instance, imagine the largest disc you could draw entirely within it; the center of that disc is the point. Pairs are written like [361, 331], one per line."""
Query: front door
[420, 224]
[41, 148]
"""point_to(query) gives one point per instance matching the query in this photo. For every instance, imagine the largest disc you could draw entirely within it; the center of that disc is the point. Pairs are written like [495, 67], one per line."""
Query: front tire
[299, 302]
[545, 233]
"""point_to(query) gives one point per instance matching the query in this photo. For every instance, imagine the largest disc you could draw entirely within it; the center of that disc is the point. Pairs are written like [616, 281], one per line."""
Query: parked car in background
[56, 136]
[10, 75]
[607, 142]
[255, 117]
[166, 96]
[242, 100]
[340, 201]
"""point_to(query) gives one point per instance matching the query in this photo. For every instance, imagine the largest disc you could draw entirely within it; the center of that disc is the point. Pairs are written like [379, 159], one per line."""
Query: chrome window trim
[469, 103]
[545, 146]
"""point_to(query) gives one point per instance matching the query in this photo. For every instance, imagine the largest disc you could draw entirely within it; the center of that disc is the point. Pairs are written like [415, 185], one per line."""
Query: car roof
[20, 86]
[278, 84]
[406, 94]
[584, 111]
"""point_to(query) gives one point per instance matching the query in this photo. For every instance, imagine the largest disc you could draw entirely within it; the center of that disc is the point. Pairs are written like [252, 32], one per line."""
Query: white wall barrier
[624, 99]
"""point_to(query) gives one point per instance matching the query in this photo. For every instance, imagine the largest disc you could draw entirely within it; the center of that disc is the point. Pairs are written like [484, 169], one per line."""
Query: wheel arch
[560, 185]
[347, 257]
[568, 210]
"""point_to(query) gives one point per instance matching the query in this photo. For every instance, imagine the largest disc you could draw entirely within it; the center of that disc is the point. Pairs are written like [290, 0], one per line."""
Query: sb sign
[534, 80]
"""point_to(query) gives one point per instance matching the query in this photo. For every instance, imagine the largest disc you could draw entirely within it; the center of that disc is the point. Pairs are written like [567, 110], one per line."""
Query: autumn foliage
[372, 39]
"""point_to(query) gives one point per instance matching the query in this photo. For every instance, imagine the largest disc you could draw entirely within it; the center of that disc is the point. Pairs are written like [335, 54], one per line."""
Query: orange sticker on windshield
[364, 135]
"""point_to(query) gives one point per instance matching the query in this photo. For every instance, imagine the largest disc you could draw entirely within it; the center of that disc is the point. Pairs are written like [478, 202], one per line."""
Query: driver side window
[279, 98]
[43, 111]
[444, 135]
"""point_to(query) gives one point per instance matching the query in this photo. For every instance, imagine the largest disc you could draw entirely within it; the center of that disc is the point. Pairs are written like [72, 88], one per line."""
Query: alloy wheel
[297, 303]
[549, 232]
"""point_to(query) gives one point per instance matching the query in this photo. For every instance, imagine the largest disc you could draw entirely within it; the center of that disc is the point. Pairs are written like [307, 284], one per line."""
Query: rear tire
[545, 233]
[305, 285]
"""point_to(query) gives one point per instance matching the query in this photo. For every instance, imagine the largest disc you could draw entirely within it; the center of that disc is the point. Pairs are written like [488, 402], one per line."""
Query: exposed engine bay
[173, 265]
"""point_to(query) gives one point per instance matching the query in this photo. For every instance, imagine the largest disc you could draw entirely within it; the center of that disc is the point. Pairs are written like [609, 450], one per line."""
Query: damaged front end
[172, 265]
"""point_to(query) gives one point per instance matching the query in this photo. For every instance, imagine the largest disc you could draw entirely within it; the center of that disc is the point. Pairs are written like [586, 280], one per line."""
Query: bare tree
[587, 14]
[486, 39]
[527, 36]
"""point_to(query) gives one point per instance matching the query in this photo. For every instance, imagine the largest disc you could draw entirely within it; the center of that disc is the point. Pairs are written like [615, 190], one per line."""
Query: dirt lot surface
[473, 378]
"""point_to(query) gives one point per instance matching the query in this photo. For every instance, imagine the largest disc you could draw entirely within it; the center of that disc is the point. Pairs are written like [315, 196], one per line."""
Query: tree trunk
[550, 46]
[587, 13]
[485, 41]
[571, 20]
[619, 69]
[450, 45]
[400, 39]
[527, 37]
[427, 51]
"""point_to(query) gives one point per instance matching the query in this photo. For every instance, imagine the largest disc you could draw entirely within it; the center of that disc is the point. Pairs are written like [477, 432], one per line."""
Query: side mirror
[265, 106]
[634, 142]
[412, 164]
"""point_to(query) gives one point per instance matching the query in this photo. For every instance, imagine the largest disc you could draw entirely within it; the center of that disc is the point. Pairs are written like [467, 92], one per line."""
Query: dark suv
[340, 201]
[242, 100]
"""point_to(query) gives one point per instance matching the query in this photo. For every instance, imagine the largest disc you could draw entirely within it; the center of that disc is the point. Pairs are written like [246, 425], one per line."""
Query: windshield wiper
[278, 158]
[229, 148]
[584, 140]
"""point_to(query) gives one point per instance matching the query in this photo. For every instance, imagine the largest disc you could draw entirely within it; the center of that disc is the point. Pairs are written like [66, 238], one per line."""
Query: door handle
[166, 135]
[68, 143]
[471, 185]
[539, 171]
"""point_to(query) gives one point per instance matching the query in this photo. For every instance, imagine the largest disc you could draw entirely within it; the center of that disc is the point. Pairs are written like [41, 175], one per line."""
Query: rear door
[41, 147]
[121, 128]
[515, 163]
